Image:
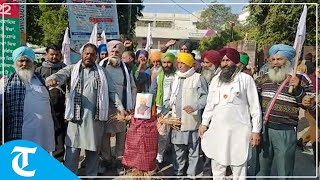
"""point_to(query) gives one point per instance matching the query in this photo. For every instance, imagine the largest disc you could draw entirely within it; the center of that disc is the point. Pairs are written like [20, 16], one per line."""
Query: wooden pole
[296, 62]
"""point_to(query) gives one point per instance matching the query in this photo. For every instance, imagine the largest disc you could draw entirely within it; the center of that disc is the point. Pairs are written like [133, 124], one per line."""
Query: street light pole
[231, 23]
[129, 20]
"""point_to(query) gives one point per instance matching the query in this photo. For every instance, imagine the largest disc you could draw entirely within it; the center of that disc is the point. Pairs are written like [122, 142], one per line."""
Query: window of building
[164, 24]
[144, 23]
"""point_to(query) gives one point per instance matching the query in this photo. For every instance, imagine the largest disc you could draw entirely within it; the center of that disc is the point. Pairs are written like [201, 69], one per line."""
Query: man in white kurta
[231, 119]
[86, 110]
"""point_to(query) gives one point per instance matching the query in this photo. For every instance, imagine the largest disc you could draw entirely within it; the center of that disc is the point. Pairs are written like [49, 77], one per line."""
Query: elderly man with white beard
[28, 111]
[211, 64]
[126, 89]
[231, 119]
[280, 111]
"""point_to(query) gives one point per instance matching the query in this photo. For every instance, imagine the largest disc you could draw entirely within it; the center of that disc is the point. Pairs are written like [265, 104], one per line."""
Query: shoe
[159, 158]
[121, 171]
[300, 144]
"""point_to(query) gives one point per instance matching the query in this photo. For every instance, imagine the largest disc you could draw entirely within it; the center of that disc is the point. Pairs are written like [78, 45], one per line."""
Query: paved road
[304, 164]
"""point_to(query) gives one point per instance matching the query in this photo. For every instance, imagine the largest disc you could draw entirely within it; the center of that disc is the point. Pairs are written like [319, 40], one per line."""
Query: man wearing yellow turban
[188, 96]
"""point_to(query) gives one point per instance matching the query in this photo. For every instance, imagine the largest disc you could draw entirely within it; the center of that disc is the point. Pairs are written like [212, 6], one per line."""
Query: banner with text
[83, 17]
[10, 38]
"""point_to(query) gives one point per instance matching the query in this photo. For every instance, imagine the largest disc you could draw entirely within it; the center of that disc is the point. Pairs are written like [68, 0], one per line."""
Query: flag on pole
[149, 39]
[94, 34]
[103, 38]
[301, 30]
[66, 48]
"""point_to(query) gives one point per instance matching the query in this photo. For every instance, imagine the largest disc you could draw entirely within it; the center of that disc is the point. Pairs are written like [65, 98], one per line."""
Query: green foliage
[53, 22]
[272, 24]
[125, 17]
[34, 31]
[218, 41]
[217, 17]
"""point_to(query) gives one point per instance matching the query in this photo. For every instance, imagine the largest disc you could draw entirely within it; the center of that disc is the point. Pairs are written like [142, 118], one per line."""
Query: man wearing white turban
[126, 89]
[280, 111]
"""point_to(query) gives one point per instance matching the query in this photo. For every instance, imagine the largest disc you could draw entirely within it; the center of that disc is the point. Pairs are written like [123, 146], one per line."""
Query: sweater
[285, 112]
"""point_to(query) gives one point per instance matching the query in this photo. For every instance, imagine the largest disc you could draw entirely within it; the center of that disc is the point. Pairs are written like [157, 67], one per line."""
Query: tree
[34, 31]
[216, 17]
[218, 41]
[53, 21]
[127, 19]
[278, 23]
[46, 23]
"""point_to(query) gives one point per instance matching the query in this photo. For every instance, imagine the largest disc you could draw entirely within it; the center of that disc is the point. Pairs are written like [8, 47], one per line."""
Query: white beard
[25, 74]
[114, 61]
[208, 73]
[279, 74]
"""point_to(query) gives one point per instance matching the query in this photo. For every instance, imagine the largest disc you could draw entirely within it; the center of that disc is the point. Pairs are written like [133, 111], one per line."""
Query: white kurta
[38, 125]
[228, 111]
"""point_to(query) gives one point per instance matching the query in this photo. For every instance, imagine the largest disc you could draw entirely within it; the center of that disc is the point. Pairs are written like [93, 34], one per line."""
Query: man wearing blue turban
[103, 52]
[280, 111]
[28, 112]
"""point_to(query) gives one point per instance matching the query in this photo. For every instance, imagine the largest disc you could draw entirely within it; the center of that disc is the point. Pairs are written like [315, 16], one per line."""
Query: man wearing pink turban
[231, 119]
[211, 64]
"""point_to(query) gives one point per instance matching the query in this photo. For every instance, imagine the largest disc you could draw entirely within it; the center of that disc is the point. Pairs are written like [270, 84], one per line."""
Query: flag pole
[296, 62]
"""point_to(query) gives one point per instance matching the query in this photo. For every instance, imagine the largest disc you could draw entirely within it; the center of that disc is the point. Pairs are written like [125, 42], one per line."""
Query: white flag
[103, 38]
[301, 29]
[94, 34]
[66, 48]
[149, 39]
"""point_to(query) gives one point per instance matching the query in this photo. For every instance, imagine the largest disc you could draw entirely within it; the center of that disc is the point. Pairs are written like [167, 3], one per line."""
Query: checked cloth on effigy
[141, 145]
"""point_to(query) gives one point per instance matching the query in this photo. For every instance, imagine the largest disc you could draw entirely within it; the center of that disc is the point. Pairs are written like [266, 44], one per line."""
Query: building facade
[165, 27]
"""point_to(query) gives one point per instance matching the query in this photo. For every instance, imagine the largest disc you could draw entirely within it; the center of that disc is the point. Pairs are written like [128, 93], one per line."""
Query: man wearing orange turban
[155, 58]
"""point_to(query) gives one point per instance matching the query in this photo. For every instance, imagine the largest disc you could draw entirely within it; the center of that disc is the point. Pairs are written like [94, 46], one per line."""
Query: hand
[127, 43]
[255, 139]
[308, 101]
[170, 43]
[142, 62]
[123, 113]
[188, 109]
[52, 83]
[202, 130]
[294, 81]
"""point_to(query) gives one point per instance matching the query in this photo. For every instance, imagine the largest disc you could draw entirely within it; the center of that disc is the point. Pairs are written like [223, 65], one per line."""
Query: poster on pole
[23, 22]
[83, 17]
[10, 38]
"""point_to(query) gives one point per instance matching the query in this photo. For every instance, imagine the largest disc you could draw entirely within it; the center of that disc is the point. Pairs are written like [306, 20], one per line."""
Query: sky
[173, 8]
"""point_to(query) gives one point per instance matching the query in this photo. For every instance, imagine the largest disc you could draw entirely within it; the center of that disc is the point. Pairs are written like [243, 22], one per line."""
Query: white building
[168, 26]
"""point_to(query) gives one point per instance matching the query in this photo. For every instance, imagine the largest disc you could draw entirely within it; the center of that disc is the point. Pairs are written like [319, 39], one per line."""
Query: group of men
[223, 110]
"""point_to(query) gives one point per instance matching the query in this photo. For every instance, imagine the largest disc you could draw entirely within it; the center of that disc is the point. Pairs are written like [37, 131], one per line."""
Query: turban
[171, 57]
[114, 44]
[155, 56]
[25, 52]
[231, 53]
[186, 58]
[188, 44]
[143, 52]
[244, 59]
[283, 50]
[102, 48]
[213, 56]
